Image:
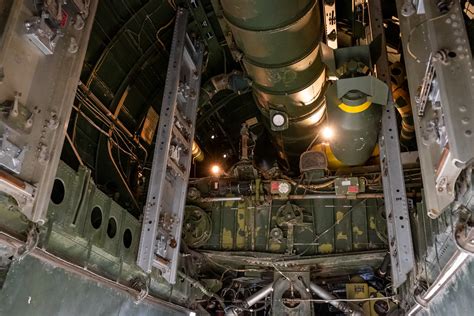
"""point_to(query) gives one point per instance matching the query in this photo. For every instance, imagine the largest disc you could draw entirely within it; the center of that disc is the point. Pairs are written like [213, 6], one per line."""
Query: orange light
[216, 170]
[327, 133]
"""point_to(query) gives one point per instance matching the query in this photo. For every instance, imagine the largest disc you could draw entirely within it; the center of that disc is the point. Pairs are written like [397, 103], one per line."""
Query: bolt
[79, 23]
[441, 56]
[173, 243]
[408, 9]
[73, 46]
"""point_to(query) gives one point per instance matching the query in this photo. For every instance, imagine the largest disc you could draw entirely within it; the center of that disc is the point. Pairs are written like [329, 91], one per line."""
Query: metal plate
[164, 209]
[441, 160]
[396, 208]
[27, 71]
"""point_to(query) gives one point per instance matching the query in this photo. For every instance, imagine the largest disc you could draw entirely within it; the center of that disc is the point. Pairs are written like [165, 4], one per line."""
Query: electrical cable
[124, 181]
[338, 299]
[74, 149]
[201, 287]
[228, 268]
[157, 34]
[81, 96]
[106, 121]
[89, 120]
[330, 227]
[410, 34]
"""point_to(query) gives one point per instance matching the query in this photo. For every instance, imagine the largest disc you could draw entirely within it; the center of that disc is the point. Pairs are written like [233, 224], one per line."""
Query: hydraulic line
[342, 306]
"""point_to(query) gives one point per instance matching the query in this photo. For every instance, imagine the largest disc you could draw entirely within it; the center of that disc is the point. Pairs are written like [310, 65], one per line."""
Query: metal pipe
[201, 287]
[301, 197]
[360, 196]
[342, 306]
[451, 267]
[281, 53]
[110, 115]
[258, 296]
[383, 269]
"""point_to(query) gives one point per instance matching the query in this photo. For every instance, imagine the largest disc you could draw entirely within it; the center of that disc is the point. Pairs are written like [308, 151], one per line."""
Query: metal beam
[164, 209]
[396, 207]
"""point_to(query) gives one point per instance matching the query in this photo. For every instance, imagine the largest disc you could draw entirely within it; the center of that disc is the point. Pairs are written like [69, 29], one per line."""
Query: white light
[225, 156]
[213, 136]
[278, 120]
[284, 188]
[192, 314]
[215, 170]
[327, 132]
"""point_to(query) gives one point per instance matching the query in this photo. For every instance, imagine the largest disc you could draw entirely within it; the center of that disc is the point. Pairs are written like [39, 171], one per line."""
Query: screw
[73, 46]
[408, 9]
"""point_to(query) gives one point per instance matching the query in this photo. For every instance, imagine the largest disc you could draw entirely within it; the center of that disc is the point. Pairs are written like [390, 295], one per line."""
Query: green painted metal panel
[112, 240]
[360, 237]
[36, 288]
[324, 217]
[129, 237]
[343, 230]
[329, 226]
[95, 224]
[68, 191]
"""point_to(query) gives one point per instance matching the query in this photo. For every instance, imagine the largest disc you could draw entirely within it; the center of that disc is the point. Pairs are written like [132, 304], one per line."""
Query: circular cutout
[127, 238]
[112, 227]
[96, 217]
[57, 195]
[396, 71]
[291, 298]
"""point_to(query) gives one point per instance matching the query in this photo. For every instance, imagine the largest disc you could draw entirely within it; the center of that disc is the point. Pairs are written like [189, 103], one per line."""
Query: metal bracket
[396, 207]
[464, 233]
[439, 64]
[329, 10]
[23, 192]
[422, 97]
[164, 209]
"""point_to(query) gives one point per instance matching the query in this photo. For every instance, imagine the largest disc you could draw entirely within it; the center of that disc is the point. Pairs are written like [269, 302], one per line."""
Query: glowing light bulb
[278, 120]
[327, 133]
[216, 170]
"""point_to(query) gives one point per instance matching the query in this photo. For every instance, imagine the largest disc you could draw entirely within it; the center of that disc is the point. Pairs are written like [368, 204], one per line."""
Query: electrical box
[349, 186]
